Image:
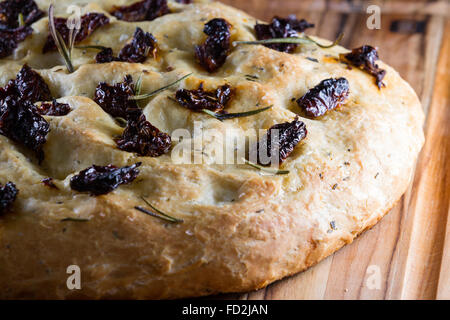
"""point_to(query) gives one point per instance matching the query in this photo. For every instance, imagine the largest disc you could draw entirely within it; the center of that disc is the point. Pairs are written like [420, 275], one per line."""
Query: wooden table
[410, 247]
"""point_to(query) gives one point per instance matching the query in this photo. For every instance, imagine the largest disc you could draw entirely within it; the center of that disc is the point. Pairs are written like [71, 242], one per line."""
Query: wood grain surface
[410, 247]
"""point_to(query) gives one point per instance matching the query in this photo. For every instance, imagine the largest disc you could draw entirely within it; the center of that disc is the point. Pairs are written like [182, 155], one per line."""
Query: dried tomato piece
[197, 100]
[89, 23]
[28, 86]
[141, 137]
[146, 10]
[282, 28]
[102, 180]
[289, 135]
[365, 57]
[10, 10]
[9, 39]
[327, 95]
[8, 194]
[105, 56]
[137, 51]
[31, 87]
[213, 53]
[114, 99]
[54, 108]
[19, 118]
[20, 122]
[141, 46]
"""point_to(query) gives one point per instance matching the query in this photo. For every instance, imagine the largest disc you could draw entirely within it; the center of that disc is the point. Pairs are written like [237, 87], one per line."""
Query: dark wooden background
[411, 245]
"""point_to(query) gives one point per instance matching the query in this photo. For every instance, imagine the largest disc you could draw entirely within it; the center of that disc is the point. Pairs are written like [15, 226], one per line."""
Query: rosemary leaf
[227, 116]
[21, 20]
[59, 41]
[151, 94]
[335, 43]
[138, 85]
[266, 170]
[100, 48]
[159, 214]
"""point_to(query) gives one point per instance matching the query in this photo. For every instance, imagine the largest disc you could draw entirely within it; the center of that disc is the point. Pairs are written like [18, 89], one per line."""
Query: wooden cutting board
[407, 255]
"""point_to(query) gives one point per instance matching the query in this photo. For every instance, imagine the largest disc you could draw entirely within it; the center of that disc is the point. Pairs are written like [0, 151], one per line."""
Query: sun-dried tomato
[141, 46]
[89, 23]
[282, 28]
[9, 39]
[114, 99]
[137, 51]
[21, 122]
[146, 10]
[213, 53]
[99, 180]
[31, 87]
[327, 95]
[28, 86]
[54, 108]
[288, 135]
[141, 137]
[197, 100]
[365, 57]
[10, 10]
[8, 194]
[105, 56]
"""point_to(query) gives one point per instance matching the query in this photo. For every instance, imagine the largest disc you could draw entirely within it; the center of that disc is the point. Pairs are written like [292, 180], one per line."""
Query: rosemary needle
[138, 85]
[95, 47]
[159, 214]
[151, 94]
[227, 116]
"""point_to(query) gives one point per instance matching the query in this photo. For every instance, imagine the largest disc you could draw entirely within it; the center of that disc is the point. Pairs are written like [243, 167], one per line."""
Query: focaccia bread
[230, 227]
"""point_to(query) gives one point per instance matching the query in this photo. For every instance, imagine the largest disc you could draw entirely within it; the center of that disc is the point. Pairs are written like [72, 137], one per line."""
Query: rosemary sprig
[65, 50]
[296, 40]
[151, 94]
[21, 20]
[266, 170]
[75, 220]
[227, 116]
[159, 214]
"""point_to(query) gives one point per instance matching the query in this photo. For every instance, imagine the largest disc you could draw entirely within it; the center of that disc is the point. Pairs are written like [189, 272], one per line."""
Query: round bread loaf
[241, 229]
